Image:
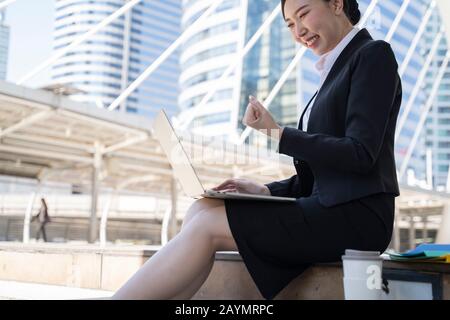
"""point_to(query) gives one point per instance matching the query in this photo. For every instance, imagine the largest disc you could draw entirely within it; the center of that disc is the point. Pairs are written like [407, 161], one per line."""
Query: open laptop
[185, 172]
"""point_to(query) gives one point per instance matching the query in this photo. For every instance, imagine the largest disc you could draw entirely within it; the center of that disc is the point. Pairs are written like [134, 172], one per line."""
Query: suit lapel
[361, 38]
[358, 41]
[300, 125]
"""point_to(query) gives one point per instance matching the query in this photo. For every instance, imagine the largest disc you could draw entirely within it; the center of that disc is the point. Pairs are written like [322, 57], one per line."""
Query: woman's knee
[198, 206]
[213, 223]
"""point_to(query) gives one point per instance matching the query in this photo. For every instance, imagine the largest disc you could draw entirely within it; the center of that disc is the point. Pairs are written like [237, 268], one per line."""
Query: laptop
[185, 172]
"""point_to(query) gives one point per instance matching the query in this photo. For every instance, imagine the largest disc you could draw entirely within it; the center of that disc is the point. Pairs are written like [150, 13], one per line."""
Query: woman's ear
[337, 6]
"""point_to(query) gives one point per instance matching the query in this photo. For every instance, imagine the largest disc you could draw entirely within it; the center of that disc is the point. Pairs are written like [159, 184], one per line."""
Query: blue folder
[424, 251]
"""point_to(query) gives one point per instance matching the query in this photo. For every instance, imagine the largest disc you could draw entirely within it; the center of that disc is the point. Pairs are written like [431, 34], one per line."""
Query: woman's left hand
[257, 117]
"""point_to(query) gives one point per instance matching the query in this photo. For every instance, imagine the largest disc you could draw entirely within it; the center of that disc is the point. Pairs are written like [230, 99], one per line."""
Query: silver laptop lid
[177, 156]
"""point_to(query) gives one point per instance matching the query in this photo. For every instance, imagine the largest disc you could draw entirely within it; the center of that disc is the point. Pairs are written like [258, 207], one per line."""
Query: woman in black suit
[343, 152]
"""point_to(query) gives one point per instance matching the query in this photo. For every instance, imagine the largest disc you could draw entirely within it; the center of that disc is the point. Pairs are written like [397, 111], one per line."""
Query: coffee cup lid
[368, 258]
[358, 253]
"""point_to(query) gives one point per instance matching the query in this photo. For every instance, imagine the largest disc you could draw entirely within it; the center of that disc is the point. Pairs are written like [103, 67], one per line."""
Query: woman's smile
[319, 25]
[314, 42]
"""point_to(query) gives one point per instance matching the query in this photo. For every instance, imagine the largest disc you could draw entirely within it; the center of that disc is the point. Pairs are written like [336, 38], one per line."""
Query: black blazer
[349, 145]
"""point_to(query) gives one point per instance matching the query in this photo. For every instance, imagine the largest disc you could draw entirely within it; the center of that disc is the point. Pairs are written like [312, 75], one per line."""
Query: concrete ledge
[230, 279]
[89, 267]
[92, 267]
[321, 281]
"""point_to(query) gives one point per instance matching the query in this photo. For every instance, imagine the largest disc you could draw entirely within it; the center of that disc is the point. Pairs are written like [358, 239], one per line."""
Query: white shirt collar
[327, 60]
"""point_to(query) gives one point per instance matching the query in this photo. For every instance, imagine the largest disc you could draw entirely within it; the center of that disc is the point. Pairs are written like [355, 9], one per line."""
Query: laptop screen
[177, 156]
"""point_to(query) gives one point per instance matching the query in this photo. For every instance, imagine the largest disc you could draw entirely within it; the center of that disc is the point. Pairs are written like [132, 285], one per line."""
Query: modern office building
[379, 25]
[4, 45]
[103, 66]
[265, 64]
[216, 45]
[205, 57]
[436, 133]
[431, 154]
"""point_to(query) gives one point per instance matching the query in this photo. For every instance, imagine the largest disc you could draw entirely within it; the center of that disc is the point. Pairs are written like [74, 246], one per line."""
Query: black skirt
[279, 241]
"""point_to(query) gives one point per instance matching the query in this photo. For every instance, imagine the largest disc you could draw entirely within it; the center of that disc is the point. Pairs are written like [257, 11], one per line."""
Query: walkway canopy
[50, 137]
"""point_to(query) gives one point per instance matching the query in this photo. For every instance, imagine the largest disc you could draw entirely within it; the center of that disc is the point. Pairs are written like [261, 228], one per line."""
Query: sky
[31, 33]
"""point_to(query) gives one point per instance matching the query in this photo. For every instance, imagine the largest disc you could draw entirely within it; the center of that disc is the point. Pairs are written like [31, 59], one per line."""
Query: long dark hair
[351, 9]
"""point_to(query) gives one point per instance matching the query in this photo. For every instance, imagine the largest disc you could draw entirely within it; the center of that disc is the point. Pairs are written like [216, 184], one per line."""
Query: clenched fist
[257, 117]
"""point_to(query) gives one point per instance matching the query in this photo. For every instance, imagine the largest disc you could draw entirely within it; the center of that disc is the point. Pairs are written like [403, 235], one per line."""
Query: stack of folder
[437, 253]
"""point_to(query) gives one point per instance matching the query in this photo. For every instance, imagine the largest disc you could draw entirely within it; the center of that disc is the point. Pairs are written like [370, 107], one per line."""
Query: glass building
[4, 45]
[216, 45]
[106, 64]
[266, 62]
[436, 133]
[434, 137]
[205, 56]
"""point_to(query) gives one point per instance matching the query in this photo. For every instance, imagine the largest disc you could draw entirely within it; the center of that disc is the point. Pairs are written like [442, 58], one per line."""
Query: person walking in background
[43, 219]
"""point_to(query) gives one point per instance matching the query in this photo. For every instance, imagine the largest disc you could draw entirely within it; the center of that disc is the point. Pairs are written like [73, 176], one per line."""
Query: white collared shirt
[324, 65]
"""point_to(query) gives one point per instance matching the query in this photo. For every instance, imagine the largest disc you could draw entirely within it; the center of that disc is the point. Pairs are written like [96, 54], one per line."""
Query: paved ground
[11, 290]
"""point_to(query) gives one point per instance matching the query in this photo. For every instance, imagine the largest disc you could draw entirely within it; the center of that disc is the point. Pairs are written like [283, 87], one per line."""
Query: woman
[343, 153]
[43, 219]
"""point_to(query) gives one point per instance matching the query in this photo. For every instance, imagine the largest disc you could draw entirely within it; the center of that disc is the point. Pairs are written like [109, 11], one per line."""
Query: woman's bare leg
[172, 268]
[188, 292]
[229, 245]
[195, 208]
[181, 261]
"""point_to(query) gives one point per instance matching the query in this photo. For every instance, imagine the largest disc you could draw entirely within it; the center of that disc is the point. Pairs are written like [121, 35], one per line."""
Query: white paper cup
[358, 289]
[362, 275]
[361, 267]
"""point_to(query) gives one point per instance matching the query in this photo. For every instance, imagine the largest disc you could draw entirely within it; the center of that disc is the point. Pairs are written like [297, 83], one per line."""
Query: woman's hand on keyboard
[243, 186]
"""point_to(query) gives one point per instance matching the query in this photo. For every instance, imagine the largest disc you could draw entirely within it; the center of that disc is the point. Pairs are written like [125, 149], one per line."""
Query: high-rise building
[265, 64]
[217, 45]
[106, 64]
[436, 133]
[379, 25]
[4, 45]
[205, 57]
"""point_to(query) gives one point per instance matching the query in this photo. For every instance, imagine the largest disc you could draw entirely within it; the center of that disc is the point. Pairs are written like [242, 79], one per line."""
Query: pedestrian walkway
[12, 290]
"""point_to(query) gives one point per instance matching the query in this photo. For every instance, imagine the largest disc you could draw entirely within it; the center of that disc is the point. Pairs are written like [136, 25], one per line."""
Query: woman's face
[317, 24]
